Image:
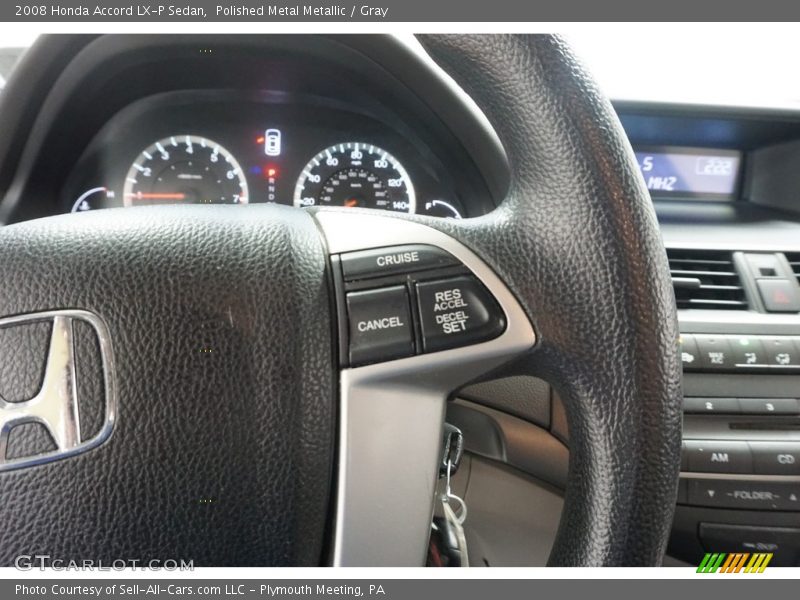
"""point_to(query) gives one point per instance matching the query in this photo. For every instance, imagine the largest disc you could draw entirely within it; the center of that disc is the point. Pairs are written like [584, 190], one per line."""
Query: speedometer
[185, 169]
[355, 174]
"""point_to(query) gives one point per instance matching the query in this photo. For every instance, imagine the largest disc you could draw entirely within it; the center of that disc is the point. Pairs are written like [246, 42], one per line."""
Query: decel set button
[455, 312]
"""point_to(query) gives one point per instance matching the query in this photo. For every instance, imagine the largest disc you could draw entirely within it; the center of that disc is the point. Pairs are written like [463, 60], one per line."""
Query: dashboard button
[690, 355]
[380, 325]
[755, 495]
[711, 406]
[783, 542]
[393, 260]
[781, 352]
[719, 457]
[715, 352]
[769, 406]
[764, 265]
[779, 295]
[456, 312]
[748, 351]
[776, 458]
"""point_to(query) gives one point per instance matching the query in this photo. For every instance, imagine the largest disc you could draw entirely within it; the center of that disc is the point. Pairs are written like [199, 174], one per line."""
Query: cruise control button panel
[401, 301]
[456, 312]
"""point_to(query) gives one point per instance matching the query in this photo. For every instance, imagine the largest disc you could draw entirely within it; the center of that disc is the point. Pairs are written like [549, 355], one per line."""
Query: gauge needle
[141, 196]
[350, 203]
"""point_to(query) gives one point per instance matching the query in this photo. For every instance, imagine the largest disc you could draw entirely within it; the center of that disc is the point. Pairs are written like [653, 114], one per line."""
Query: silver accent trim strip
[391, 414]
[733, 477]
[56, 404]
[770, 237]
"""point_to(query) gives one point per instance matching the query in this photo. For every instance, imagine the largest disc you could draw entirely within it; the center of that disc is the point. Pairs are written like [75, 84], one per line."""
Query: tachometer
[355, 174]
[185, 169]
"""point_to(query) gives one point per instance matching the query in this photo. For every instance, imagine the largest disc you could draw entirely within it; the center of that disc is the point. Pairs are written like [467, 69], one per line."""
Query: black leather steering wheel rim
[577, 241]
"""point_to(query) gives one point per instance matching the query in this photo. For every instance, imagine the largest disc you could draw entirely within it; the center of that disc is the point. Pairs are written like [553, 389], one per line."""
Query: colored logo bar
[744, 562]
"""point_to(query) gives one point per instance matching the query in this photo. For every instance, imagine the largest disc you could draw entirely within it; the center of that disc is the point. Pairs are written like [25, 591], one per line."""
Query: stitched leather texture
[220, 326]
[577, 242]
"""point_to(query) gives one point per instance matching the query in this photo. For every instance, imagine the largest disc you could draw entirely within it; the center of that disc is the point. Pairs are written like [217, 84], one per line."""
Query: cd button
[776, 458]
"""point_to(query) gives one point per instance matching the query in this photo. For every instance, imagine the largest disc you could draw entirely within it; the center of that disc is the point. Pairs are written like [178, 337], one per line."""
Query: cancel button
[456, 312]
[380, 325]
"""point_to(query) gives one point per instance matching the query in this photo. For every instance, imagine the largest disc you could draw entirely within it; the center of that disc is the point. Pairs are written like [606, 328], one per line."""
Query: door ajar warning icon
[57, 404]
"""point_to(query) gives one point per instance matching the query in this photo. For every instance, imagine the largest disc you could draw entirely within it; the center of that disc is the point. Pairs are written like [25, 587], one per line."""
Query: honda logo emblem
[57, 404]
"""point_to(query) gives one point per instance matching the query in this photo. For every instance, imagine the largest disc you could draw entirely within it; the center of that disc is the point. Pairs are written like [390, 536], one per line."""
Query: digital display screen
[689, 172]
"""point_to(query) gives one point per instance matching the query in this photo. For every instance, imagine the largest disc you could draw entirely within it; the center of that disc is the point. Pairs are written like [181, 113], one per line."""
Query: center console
[740, 470]
[724, 184]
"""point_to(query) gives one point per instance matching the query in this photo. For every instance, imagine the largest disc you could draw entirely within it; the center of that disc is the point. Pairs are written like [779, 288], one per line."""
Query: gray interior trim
[523, 532]
[495, 435]
[761, 236]
[738, 321]
[522, 396]
[741, 477]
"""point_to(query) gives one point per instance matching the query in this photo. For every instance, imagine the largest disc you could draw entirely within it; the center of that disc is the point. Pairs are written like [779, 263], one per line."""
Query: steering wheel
[239, 429]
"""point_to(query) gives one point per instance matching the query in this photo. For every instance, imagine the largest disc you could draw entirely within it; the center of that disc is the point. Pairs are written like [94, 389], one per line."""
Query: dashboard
[136, 120]
[217, 147]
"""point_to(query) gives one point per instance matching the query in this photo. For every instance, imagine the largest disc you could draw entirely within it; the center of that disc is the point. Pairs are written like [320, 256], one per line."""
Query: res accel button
[456, 312]
[380, 325]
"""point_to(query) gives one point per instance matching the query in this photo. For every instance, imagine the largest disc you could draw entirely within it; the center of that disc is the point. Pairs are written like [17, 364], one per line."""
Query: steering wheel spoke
[460, 322]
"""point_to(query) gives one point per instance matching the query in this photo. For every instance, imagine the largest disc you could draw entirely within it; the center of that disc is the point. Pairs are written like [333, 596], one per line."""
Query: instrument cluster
[213, 149]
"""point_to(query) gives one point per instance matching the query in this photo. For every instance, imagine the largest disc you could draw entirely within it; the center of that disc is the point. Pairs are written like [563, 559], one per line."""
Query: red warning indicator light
[260, 140]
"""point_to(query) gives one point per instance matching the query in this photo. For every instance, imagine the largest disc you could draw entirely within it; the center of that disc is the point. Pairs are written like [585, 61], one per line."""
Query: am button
[719, 457]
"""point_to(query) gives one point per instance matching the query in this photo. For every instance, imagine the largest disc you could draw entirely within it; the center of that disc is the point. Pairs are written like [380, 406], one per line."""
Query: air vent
[706, 279]
[794, 260]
